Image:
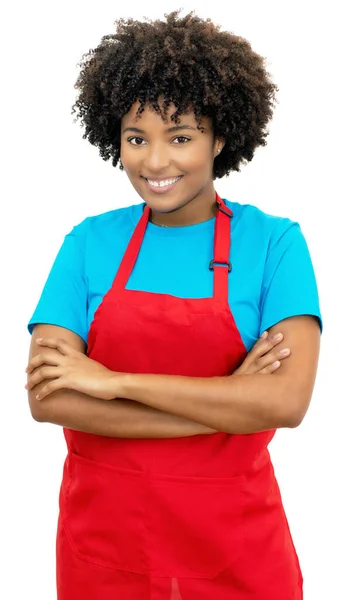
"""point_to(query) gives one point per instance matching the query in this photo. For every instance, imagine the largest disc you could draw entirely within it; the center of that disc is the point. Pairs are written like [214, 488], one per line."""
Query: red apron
[196, 518]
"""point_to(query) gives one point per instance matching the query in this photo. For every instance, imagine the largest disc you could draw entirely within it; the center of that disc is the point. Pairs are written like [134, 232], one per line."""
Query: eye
[183, 139]
[138, 141]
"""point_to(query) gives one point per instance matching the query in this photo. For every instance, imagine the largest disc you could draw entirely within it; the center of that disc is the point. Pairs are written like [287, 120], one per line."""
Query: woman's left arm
[239, 404]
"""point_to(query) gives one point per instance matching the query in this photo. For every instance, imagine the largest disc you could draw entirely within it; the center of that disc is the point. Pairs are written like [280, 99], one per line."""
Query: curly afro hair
[186, 61]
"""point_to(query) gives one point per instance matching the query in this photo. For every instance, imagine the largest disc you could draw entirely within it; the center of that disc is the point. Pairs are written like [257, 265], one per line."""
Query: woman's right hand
[264, 357]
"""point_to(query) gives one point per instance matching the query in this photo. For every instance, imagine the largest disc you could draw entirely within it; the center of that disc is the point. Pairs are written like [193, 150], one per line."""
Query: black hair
[186, 61]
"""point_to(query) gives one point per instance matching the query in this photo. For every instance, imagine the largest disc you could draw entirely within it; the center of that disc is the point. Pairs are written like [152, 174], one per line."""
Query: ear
[218, 146]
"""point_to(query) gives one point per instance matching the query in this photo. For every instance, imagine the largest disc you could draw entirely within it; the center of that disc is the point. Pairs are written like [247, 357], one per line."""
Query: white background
[52, 179]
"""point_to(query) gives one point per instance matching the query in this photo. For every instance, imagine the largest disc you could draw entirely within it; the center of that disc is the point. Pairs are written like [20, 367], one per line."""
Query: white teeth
[163, 183]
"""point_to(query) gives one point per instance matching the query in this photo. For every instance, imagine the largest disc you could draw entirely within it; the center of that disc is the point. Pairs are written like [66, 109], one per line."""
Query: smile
[162, 185]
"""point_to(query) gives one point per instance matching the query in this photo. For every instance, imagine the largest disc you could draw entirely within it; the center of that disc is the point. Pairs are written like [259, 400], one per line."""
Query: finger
[260, 363]
[271, 368]
[261, 339]
[53, 386]
[270, 357]
[256, 350]
[266, 345]
[48, 358]
[261, 348]
[58, 344]
[41, 374]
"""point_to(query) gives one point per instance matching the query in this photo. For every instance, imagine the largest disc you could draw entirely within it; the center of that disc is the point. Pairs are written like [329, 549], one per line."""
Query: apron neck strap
[220, 264]
[130, 257]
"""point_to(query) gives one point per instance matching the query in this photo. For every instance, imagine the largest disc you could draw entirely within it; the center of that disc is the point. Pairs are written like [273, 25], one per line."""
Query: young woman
[155, 326]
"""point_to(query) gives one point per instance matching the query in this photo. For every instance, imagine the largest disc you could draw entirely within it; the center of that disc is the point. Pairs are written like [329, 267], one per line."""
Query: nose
[156, 158]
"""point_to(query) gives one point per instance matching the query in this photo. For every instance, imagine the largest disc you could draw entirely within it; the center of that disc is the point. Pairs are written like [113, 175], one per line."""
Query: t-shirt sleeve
[63, 300]
[289, 285]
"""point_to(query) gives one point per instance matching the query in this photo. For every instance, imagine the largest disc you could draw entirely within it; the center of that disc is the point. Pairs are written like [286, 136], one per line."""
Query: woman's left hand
[71, 369]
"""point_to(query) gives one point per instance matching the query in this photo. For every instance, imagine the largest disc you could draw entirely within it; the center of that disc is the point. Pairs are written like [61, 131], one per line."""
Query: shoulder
[118, 222]
[262, 227]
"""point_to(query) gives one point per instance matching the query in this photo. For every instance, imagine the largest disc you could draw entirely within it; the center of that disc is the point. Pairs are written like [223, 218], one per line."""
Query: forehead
[149, 117]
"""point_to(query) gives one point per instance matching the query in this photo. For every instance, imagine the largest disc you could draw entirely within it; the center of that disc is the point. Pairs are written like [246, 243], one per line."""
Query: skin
[243, 405]
[149, 149]
[232, 404]
[56, 379]
[68, 388]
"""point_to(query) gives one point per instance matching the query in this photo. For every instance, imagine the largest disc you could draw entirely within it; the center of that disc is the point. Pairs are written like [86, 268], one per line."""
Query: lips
[162, 185]
[162, 182]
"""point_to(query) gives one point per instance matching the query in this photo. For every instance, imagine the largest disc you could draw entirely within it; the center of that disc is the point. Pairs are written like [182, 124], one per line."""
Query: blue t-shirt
[272, 275]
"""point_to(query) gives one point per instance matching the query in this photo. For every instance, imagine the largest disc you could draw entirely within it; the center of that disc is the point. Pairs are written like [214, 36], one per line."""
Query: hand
[69, 368]
[263, 358]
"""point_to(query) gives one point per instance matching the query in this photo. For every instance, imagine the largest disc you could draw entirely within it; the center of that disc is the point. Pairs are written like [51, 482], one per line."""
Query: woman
[141, 336]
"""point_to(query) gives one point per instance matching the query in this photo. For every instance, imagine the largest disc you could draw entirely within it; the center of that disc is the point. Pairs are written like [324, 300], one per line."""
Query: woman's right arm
[122, 418]
[116, 418]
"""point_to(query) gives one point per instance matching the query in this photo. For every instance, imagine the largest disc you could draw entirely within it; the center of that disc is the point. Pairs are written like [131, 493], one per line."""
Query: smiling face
[170, 165]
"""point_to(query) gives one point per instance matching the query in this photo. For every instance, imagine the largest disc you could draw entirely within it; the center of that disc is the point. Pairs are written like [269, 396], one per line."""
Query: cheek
[128, 159]
[194, 160]
[123, 152]
[199, 154]
[199, 162]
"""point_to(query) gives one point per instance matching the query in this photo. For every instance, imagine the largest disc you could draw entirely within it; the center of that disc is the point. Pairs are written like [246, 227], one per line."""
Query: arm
[251, 404]
[245, 404]
[69, 377]
[116, 418]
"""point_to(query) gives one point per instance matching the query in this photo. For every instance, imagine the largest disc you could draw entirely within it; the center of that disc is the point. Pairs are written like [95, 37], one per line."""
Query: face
[169, 165]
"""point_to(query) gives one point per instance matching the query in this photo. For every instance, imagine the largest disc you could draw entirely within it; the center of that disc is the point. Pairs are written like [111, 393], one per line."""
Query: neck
[193, 212]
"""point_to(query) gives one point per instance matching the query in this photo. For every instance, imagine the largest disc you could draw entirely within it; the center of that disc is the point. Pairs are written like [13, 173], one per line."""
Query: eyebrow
[170, 130]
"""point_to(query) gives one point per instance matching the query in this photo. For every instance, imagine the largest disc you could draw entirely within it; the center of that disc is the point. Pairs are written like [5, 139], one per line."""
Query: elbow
[36, 409]
[292, 421]
[296, 412]
[38, 416]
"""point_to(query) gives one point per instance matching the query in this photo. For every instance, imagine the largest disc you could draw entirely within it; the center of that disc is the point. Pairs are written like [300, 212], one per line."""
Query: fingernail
[284, 352]
[263, 335]
[39, 339]
[277, 336]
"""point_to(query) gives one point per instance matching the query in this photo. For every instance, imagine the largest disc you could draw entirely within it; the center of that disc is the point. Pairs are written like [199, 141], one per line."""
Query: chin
[163, 205]
[162, 201]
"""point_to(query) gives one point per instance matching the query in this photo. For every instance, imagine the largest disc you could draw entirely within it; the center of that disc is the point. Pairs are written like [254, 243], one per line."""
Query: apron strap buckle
[224, 209]
[214, 263]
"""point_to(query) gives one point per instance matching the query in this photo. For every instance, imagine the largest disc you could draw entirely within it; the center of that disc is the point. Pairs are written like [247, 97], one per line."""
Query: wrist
[120, 385]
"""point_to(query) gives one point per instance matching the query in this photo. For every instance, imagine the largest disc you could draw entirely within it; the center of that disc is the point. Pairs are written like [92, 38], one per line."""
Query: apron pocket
[195, 525]
[103, 514]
